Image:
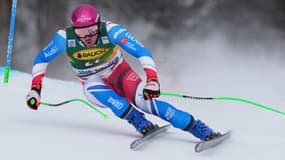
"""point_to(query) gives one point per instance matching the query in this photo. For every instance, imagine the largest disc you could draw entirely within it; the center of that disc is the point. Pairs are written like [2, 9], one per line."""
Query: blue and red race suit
[113, 84]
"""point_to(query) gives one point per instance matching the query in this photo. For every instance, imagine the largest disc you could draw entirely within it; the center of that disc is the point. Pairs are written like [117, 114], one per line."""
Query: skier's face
[87, 35]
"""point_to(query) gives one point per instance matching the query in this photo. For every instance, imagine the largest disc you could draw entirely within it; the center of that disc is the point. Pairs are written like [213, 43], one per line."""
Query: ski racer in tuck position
[93, 50]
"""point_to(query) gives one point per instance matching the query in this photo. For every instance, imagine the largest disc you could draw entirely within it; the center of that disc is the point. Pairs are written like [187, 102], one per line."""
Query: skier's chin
[89, 44]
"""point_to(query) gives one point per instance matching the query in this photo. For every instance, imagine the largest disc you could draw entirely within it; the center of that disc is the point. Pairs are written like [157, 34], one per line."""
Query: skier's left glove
[151, 90]
[33, 98]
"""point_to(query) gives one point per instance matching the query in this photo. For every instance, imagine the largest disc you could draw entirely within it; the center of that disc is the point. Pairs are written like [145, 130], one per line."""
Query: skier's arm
[120, 36]
[54, 48]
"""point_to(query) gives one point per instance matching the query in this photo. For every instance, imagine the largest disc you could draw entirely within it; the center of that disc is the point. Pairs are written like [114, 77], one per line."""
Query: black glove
[151, 90]
[33, 98]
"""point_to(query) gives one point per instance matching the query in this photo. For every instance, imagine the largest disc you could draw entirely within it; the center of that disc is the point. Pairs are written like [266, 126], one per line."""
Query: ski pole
[77, 100]
[224, 99]
[10, 42]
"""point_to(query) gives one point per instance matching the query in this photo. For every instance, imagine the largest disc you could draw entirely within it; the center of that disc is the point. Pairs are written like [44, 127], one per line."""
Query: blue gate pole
[10, 42]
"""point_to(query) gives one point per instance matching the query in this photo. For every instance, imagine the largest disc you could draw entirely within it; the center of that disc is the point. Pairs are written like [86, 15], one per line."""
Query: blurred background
[180, 34]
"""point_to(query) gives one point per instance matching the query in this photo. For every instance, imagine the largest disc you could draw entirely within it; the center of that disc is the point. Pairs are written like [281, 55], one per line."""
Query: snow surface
[74, 131]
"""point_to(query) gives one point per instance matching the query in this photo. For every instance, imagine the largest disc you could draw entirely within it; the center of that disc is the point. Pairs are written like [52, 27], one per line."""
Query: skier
[93, 49]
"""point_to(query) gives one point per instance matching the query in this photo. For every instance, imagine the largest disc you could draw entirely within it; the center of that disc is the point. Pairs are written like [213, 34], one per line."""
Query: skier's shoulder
[59, 37]
[115, 30]
[111, 25]
[56, 45]
[61, 32]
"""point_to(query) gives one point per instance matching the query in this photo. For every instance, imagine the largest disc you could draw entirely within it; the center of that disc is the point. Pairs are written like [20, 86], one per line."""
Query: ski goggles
[87, 31]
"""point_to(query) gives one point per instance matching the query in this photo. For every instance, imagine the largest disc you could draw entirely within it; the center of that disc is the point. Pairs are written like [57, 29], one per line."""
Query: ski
[136, 144]
[204, 145]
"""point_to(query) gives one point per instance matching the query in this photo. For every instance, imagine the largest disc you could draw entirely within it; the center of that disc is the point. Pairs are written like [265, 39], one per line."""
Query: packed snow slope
[74, 131]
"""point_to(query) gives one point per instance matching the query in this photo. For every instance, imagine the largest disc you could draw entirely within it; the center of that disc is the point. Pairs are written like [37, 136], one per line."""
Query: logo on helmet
[83, 19]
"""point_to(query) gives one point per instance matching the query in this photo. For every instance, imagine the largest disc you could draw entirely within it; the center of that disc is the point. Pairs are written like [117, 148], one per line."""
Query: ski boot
[138, 120]
[202, 131]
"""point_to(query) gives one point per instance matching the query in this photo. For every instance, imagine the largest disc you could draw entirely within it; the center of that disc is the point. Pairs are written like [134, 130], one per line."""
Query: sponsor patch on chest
[71, 43]
[90, 54]
[105, 40]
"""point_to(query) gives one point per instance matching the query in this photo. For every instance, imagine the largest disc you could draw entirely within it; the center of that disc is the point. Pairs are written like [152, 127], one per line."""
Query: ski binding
[204, 145]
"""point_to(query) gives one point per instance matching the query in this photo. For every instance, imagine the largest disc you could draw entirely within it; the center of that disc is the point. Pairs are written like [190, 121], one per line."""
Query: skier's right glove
[33, 98]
